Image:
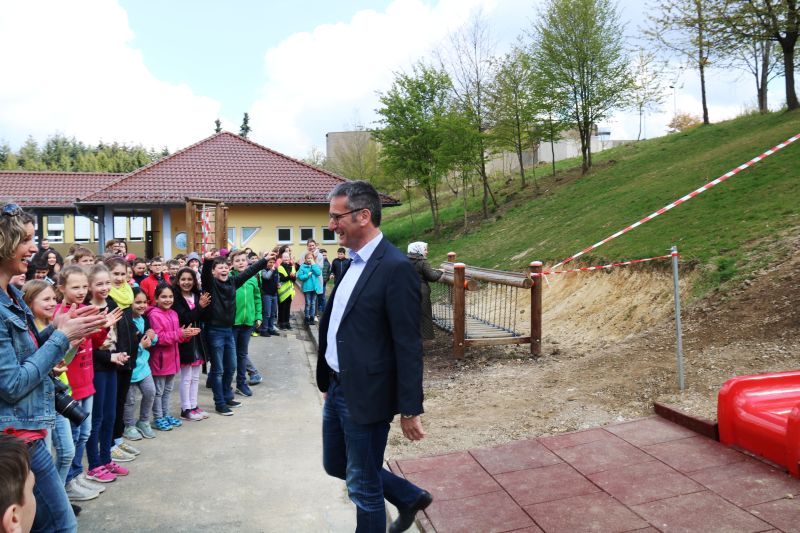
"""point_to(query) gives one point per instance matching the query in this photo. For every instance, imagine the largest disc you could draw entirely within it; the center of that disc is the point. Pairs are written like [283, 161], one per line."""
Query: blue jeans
[98, 447]
[242, 334]
[354, 452]
[222, 350]
[80, 435]
[61, 439]
[311, 304]
[269, 312]
[321, 302]
[53, 511]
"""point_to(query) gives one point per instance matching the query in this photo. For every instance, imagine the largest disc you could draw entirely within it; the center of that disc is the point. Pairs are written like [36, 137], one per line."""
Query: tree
[245, 129]
[412, 112]
[682, 122]
[469, 61]
[580, 55]
[355, 157]
[757, 21]
[647, 93]
[459, 151]
[315, 158]
[218, 126]
[682, 27]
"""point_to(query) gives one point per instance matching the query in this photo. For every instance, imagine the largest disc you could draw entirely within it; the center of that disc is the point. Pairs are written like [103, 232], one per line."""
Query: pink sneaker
[117, 470]
[101, 475]
[200, 412]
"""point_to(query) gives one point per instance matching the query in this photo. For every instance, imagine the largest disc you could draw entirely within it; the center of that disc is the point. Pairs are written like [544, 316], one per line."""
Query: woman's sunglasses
[11, 210]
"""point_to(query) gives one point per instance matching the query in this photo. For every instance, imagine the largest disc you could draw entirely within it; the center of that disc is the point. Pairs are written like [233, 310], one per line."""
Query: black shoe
[224, 410]
[233, 403]
[75, 509]
[406, 518]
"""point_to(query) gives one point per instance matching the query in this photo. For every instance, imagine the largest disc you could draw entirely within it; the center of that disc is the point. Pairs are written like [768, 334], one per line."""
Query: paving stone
[644, 482]
[649, 431]
[701, 511]
[783, 514]
[514, 456]
[409, 466]
[602, 455]
[546, 483]
[556, 442]
[747, 483]
[455, 482]
[490, 513]
[694, 453]
[590, 512]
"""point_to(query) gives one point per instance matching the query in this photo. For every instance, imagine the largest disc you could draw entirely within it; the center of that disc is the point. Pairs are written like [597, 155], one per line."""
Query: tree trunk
[701, 57]
[464, 189]
[411, 212]
[434, 217]
[521, 166]
[762, 78]
[641, 112]
[787, 44]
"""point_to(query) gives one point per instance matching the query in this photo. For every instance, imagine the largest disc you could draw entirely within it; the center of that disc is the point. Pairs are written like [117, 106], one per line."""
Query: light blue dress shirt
[343, 292]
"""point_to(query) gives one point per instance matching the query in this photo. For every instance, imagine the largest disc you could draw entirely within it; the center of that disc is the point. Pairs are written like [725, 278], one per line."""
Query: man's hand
[412, 428]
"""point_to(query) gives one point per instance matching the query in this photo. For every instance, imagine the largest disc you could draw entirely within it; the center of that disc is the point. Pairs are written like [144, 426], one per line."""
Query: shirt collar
[366, 251]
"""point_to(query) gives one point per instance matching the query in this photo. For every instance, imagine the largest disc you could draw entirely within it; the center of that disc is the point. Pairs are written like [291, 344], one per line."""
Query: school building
[271, 199]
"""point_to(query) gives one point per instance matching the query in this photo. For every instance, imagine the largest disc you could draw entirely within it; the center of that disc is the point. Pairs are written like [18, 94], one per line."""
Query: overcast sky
[160, 72]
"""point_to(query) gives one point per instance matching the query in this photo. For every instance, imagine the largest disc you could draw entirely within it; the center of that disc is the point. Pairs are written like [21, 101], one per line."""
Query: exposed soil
[608, 354]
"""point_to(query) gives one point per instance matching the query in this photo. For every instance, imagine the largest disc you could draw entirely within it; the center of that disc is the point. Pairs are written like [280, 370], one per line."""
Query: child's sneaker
[127, 448]
[188, 414]
[200, 412]
[117, 470]
[131, 433]
[255, 379]
[224, 410]
[233, 404]
[244, 390]
[162, 424]
[101, 475]
[145, 429]
[123, 457]
[254, 334]
[91, 485]
[78, 493]
[174, 422]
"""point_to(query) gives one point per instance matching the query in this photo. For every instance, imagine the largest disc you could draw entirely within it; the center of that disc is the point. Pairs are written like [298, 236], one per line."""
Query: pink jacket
[165, 358]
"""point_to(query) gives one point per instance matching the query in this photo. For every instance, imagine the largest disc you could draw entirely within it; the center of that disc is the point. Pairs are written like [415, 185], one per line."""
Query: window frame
[278, 234]
[334, 240]
[244, 240]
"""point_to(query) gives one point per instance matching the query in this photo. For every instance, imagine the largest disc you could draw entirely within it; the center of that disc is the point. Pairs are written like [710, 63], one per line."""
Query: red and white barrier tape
[602, 267]
[689, 196]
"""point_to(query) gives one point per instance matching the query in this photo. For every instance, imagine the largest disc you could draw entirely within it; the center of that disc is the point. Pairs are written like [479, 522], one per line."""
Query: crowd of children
[165, 321]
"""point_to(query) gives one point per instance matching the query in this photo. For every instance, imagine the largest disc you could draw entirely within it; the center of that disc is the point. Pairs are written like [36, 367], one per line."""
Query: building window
[248, 233]
[231, 238]
[55, 228]
[83, 228]
[328, 235]
[137, 229]
[305, 234]
[180, 240]
[120, 227]
[285, 236]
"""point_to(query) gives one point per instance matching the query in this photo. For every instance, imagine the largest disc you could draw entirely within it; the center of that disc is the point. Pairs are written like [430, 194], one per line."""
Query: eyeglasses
[11, 210]
[337, 217]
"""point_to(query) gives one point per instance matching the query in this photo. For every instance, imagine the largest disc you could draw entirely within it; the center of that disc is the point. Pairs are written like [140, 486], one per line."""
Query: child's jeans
[80, 435]
[61, 439]
[269, 312]
[163, 395]
[190, 381]
[104, 412]
[311, 304]
[148, 390]
[242, 335]
[321, 302]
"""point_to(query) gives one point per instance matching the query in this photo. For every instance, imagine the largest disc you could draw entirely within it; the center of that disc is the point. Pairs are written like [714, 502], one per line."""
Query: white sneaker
[127, 448]
[119, 456]
[89, 484]
[78, 493]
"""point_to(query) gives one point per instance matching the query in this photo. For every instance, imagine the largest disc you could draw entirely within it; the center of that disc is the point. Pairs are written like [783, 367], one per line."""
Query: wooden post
[536, 309]
[459, 310]
[221, 226]
[190, 226]
[451, 257]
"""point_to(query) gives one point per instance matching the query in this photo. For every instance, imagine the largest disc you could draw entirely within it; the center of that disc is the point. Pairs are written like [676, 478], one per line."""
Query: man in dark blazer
[370, 362]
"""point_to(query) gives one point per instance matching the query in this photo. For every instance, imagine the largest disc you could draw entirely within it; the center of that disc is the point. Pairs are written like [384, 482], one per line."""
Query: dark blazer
[379, 344]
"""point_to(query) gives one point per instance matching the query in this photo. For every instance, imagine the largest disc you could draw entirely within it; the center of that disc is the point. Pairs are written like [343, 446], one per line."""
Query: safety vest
[286, 289]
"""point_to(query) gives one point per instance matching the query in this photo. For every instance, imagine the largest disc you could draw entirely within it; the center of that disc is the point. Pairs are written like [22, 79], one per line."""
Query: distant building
[271, 198]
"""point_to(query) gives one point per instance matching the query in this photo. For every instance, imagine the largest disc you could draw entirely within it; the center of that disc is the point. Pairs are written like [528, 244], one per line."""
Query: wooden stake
[459, 309]
[536, 309]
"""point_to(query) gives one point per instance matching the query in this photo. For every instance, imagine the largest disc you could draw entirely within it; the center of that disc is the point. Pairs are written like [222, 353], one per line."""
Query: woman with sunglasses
[27, 406]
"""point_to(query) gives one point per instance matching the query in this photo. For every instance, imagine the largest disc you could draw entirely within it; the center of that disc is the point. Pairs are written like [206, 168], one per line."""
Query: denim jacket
[27, 398]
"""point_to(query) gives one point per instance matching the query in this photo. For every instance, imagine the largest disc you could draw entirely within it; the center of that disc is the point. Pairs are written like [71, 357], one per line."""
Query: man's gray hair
[360, 195]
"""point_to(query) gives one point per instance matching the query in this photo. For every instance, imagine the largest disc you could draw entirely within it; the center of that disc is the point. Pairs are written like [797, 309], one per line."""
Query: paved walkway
[259, 470]
[644, 475]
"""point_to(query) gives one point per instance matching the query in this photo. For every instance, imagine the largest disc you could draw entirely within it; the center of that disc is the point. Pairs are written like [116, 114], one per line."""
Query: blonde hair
[12, 232]
[95, 270]
[34, 288]
[64, 275]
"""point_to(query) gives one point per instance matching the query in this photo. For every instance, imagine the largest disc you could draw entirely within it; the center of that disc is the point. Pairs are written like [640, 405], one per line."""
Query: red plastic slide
[761, 414]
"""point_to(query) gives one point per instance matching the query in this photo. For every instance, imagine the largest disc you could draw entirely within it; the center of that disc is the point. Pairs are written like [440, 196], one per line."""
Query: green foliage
[66, 154]
[245, 129]
[719, 231]
[217, 126]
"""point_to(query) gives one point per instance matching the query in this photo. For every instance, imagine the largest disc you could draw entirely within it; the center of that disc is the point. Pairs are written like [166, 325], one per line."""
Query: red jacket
[149, 284]
[80, 372]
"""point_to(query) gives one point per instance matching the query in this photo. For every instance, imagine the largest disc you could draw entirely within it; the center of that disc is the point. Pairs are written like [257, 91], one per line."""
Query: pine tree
[217, 126]
[245, 129]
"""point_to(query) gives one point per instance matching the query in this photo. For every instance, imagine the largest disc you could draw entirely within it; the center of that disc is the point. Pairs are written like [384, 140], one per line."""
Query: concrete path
[259, 470]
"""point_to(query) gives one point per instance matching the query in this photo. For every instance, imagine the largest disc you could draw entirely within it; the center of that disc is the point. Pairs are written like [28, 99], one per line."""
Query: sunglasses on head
[11, 210]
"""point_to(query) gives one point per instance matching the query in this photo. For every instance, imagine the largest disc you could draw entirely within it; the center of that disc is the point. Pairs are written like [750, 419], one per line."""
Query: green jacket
[248, 303]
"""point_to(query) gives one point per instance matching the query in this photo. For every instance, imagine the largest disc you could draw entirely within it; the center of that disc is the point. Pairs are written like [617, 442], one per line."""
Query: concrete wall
[508, 162]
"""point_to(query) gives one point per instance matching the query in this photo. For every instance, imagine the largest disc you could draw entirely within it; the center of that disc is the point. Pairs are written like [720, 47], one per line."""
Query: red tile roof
[51, 189]
[223, 167]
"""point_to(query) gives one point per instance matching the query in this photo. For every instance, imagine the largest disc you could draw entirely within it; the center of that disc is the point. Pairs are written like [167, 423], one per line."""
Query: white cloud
[319, 81]
[70, 68]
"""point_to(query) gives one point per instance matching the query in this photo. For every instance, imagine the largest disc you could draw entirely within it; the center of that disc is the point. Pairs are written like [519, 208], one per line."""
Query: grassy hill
[729, 231]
